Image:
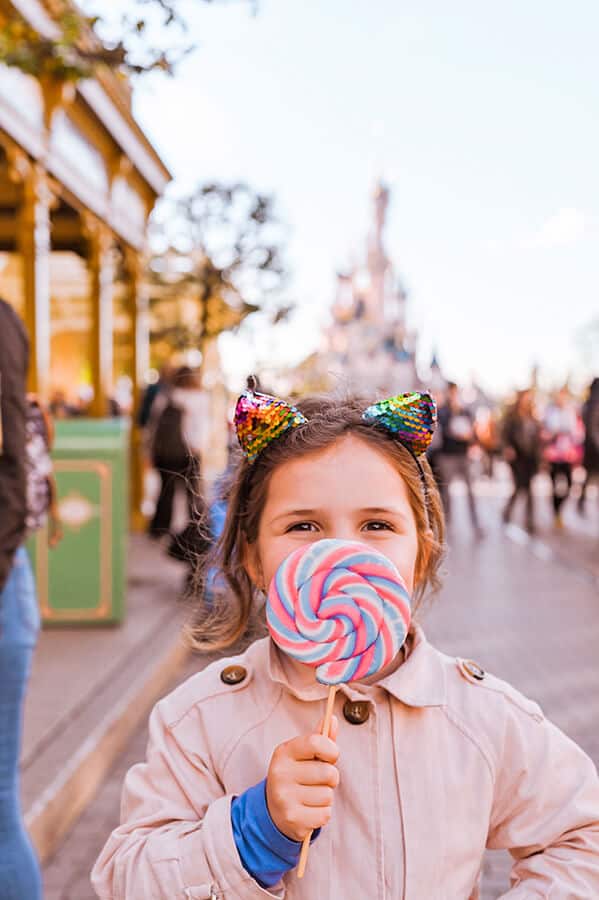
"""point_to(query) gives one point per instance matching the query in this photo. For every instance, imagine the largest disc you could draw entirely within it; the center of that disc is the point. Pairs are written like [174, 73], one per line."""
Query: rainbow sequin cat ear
[260, 419]
[411, 417]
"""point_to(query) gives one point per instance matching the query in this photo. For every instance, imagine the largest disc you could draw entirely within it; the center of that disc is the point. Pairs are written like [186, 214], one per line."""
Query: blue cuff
[266, 854]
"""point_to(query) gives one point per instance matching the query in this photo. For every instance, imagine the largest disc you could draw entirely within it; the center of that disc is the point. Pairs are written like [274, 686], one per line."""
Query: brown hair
[329, 418]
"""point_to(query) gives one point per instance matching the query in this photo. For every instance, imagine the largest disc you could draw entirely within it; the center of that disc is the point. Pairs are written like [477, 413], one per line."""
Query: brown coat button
[233, 674]
[356, 711]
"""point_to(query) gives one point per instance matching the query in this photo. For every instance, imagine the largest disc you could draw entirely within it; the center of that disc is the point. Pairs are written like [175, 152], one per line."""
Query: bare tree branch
[88, 41]
[223, 246]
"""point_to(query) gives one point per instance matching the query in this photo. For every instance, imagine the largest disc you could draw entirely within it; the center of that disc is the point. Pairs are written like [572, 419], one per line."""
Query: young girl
[427, 764]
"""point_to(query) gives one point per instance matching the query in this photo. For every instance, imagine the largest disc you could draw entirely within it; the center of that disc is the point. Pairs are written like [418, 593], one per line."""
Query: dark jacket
[523, 435]
[453, 425]
[14, 359]
[590, 418]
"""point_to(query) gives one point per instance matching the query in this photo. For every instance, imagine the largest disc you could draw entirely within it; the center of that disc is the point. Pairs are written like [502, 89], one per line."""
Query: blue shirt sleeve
[266, 854]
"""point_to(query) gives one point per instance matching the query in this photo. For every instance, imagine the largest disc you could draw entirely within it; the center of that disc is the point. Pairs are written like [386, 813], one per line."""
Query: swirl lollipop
[341, 607]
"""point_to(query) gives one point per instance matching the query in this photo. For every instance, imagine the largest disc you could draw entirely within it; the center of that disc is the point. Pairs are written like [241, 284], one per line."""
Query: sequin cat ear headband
[411, 418]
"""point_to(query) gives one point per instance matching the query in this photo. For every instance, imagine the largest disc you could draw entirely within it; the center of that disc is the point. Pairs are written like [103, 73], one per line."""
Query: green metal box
[83, 580]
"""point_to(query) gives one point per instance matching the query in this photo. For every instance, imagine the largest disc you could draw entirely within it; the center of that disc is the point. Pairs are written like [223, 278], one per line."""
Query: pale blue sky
[483, 116]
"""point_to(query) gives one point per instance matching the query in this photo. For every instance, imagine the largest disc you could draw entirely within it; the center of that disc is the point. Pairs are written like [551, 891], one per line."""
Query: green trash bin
[83, 580]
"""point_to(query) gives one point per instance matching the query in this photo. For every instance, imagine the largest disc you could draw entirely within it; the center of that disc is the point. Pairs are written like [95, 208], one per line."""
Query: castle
[368, 344]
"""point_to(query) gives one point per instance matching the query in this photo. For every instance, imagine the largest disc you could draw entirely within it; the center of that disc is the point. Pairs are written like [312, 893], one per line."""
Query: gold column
[101, 270]
[34, 247]
[141, 361]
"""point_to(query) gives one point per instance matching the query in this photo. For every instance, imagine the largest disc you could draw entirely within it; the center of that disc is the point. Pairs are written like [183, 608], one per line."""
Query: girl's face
[349, 491]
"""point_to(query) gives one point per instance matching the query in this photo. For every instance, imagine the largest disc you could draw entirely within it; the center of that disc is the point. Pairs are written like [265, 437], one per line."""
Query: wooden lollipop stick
[326, 727]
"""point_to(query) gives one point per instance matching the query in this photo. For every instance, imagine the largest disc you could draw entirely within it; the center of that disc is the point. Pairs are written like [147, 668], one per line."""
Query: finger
[316, 773]
[333, 728]
[315, 746]
[312, 818]
[317, 796]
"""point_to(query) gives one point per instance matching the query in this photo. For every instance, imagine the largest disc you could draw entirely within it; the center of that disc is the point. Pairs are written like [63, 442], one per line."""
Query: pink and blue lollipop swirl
[341, 607]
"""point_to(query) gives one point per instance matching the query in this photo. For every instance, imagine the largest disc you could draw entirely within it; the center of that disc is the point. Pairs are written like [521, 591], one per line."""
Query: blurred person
[42, 494]
[214, 584]
[457, 429]
[487, 436]
[59, 407]
[433, 451]
[590, 460]
[180, 432]
[521, 438]
[19, 616]
[153, 390]
[113, 407]
[562, 435]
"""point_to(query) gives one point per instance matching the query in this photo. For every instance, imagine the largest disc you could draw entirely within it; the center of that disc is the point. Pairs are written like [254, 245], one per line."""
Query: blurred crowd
[535, 433]
[555, 434]
[63, 407]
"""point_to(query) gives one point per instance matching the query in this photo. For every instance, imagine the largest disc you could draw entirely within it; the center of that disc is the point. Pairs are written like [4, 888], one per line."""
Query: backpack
[169, 450]
[38, 466]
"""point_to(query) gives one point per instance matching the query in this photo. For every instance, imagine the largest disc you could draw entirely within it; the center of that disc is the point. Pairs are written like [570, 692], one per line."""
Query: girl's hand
[301, 780]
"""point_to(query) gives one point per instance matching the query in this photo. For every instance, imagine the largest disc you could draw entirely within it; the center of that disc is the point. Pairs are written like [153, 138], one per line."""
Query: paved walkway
[66, 877]
[72, 665]
[526, 610]
[90, 690]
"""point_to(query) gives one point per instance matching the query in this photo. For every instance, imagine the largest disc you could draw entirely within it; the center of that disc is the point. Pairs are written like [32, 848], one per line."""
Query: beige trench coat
[477, 765]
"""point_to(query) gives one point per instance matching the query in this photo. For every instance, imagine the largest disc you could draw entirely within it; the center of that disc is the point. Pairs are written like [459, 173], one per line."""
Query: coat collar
[417, 682]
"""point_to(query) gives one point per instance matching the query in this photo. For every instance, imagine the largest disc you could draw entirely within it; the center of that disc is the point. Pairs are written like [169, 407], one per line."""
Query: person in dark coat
[151, 393]
[182, 419]
[522, 449]
[590, 460]
[19, 617]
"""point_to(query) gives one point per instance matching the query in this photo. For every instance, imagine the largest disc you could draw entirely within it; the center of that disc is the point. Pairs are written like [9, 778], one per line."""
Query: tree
[88, 38]
[218, 258]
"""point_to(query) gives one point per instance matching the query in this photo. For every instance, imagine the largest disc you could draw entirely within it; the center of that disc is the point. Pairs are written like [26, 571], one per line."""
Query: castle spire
[378, 262]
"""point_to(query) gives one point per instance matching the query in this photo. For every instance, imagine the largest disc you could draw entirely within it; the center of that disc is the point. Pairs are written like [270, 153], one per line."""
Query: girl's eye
[377, 525]
[302, 526]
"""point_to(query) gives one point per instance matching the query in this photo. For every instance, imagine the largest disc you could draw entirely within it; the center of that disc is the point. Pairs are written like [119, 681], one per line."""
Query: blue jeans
[19, 626]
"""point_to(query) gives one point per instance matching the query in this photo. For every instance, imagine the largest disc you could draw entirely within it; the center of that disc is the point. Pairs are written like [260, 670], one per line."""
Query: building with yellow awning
[78, 181]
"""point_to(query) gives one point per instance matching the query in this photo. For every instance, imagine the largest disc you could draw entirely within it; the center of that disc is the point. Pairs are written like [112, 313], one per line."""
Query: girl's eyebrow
[370, 510]
[384, 511]
[295, 512]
